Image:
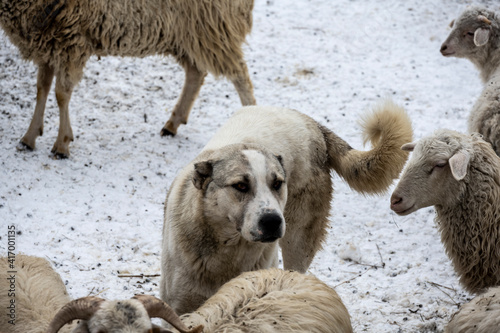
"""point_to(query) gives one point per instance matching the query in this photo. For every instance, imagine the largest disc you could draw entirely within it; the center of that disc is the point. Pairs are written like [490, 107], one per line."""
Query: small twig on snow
[137, 275]
[380, 254]
[353, 278]
[438, 286]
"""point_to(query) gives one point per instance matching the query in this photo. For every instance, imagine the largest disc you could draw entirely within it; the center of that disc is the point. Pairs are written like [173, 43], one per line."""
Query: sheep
[60, 36]
[129, 316]
[460, 175]
[259, 301]
[476, 36]
[32, 291]
[272, 300]
[41, 304]
[481, 314]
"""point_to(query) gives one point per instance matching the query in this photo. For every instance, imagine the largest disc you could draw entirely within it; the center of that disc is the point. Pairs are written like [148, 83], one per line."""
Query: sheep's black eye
[438, 166]
[470, 34]
[277, 184]
[242, 187]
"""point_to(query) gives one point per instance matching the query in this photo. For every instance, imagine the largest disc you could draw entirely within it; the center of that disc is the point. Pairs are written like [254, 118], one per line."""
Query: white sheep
[476, 36]
[272, 300]
[480, 315]
[460, 175]
[40, 304]
[259, 301]
[60, 36]
[32, 291]
[121, 316]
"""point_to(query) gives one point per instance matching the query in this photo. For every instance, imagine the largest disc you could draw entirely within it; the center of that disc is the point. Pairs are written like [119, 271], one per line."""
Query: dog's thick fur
[225, 209]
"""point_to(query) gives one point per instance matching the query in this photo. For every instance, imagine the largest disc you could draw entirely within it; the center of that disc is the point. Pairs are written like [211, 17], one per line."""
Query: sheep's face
[434, 173]
[470, 34]
[128, 316]
[244, 193]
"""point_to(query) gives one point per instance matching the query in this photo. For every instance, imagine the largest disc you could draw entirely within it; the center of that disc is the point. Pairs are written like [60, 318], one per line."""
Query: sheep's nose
[395, 201]
[444, 47]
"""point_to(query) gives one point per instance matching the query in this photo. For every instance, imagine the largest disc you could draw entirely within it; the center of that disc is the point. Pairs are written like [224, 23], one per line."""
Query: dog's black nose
[270, 226]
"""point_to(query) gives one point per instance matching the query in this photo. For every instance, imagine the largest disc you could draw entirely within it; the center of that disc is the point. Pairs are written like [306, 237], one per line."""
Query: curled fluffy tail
[387, 127]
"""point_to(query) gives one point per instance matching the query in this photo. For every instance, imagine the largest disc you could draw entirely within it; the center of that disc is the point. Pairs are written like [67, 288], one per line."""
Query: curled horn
[81, 308]
[484, 19]
[158, 309]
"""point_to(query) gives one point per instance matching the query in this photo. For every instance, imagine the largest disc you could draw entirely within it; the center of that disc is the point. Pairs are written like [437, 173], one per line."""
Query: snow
[99, 213]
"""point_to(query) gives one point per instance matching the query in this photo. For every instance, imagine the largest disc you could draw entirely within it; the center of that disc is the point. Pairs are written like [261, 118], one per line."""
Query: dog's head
[244, 189]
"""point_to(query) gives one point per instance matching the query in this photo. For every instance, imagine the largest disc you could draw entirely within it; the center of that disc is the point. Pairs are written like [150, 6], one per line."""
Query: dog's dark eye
[242, 187]
[277, 184]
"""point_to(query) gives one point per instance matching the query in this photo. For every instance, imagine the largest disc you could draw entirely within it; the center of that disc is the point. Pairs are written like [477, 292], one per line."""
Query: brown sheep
[60, 36]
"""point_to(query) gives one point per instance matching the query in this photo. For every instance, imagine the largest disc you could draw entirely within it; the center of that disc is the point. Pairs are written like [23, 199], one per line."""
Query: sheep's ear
[481, 36]
[459, 164]
[202, 174]
[408, 146]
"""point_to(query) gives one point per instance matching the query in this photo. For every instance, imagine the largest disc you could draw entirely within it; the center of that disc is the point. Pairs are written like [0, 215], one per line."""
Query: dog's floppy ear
[202, 173]
[280, 159]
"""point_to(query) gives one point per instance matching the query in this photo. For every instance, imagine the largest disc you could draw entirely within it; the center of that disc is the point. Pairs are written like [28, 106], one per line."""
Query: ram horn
[484, 19]
[81, 308]
[156, 308]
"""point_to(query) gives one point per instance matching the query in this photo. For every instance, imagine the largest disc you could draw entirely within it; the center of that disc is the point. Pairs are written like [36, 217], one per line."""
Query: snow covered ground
[99, 213]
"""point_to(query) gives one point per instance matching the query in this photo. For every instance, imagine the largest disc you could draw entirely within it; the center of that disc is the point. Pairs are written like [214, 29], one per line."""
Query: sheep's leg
[64, 88]
[244, 86]
[44, 81]
[193, 82]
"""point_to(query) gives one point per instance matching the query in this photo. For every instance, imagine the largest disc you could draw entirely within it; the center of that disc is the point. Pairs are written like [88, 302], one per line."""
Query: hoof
[21, 146]
[166, 132]
[59, 156]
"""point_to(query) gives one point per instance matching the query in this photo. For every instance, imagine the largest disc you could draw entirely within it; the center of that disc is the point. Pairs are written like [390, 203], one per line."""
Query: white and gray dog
[263, 177]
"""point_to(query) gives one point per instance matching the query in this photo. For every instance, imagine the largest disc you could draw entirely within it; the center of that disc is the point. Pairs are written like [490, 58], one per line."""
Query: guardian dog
[264, 179]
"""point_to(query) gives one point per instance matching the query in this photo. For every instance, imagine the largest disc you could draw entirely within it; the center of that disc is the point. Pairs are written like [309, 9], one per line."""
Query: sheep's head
[128, 316]
[472, 34]
[436, 172]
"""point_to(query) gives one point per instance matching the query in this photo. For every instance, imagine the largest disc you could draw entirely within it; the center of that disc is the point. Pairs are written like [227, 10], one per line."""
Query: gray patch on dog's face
[249, 193]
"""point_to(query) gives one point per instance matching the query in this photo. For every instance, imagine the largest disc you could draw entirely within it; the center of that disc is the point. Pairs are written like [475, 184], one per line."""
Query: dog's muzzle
[270, 228]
